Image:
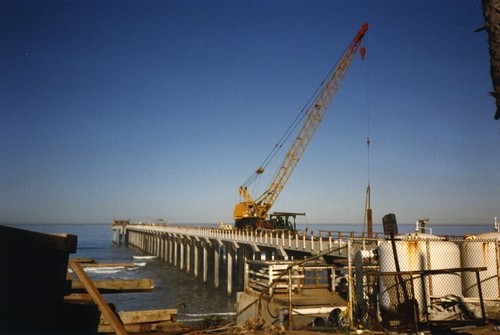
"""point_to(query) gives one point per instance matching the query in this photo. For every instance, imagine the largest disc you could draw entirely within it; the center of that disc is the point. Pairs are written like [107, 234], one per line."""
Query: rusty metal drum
[478, 251]
[418, 252]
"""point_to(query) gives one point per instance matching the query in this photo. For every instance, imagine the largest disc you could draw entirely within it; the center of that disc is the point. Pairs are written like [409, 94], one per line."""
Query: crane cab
[276, 221]
[284, 220]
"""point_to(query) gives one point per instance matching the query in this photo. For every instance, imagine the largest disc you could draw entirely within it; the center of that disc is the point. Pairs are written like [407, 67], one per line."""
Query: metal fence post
[349, 270]
[290, 298]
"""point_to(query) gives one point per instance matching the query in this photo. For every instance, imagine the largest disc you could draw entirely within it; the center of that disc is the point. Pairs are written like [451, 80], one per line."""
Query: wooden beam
[109, 265]
[156, 315]
[160, 328]
[79, 298]
[115, 323]
[116, 285]
[82, 260]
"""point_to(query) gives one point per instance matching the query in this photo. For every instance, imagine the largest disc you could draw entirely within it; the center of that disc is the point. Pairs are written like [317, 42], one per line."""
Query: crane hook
[362, 52]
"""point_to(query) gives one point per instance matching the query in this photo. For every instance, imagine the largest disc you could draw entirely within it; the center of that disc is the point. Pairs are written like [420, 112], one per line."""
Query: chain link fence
[406, 282]
[429, 280]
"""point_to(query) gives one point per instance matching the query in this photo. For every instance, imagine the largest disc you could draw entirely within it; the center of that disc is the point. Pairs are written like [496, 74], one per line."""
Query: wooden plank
[110, 265]
[117, 285]
[171, 327]
[156, 315]
[81, 298]
[115, 323]
[133, 328]
[82, 260]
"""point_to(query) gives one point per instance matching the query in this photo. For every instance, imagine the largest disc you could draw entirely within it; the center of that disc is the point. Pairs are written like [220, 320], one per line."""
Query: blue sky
[162, 109]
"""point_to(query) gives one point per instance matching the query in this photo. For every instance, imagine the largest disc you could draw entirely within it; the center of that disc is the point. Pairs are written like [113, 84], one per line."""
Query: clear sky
[162, 109]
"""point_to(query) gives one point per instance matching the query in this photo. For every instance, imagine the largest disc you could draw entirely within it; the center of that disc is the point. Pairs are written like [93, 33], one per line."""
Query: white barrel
[479, 251]
[417, 252]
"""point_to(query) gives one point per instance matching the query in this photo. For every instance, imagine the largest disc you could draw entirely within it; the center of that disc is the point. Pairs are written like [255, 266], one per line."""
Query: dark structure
[491, 12]
[33, 284]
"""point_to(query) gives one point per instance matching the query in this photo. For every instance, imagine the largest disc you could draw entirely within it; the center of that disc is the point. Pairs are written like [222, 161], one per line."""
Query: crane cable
[367, 211]
[293, 126]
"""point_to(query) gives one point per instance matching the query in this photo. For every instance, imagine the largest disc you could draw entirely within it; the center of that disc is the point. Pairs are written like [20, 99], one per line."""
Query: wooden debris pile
[38, 295]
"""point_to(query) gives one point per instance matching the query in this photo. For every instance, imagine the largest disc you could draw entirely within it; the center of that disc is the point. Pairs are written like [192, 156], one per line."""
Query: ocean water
[174, 288]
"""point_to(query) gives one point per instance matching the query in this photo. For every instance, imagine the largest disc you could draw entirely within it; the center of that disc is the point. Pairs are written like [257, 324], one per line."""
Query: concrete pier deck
[198, 250]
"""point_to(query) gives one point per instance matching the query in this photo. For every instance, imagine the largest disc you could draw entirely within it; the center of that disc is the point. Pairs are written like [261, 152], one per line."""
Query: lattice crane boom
[251, 211]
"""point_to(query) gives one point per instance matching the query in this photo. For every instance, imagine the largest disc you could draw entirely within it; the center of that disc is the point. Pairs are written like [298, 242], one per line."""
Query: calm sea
[173, 287]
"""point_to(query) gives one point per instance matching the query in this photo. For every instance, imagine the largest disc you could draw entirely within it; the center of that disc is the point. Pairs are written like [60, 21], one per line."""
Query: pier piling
[195, 249]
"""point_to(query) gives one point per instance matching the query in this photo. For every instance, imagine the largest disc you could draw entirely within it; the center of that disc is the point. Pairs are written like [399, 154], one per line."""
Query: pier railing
[260, 259]
[277, 277]
[302, 241]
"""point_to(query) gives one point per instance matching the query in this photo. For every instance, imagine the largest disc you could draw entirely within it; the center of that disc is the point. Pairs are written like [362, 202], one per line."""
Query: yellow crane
[252, 213]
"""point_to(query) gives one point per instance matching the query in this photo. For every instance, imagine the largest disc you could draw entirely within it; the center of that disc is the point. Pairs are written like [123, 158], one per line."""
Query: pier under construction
[326, 278]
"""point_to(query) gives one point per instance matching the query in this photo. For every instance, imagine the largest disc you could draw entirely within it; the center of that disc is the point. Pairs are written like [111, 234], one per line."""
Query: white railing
[283, 239]
[278, 275]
